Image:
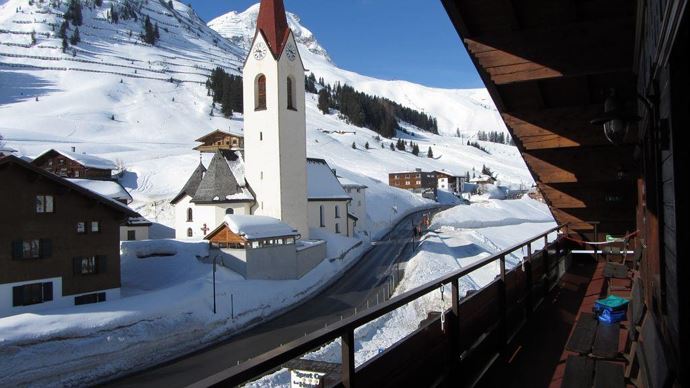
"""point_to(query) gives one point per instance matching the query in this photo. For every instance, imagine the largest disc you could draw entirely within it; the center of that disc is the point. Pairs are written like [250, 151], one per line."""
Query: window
[337, 211]
[230, 211]
[95, 226]
[290, 240]
[261, 136]
[29, 294]
[290, 94]
[86, 265]
[407, 183]
[321, 216]
[190, 215]
[131, 235]
[44, 204]
[90, 298]
[81, 227]
[419, 182]
[260, 92]
[337, 228]
[262, 175]
[190, 232]
[32, 249]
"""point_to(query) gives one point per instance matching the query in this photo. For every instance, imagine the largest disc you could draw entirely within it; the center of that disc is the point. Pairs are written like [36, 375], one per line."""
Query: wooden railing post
[529, 298]
[547, 266]
[454, 335]
[348, 358]
[503, 304]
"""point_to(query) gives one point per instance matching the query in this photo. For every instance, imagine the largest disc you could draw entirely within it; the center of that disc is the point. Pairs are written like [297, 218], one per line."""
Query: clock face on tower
[260, 51]
[291, 52]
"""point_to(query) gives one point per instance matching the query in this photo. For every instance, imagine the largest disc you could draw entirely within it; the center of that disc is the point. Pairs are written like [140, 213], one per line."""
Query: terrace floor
[536, 356]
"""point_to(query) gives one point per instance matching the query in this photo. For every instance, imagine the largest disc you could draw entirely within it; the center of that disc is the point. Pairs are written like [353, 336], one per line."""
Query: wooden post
[348, 358]
[547, 266]
[454, 337]
[529, 298]
[503, 305]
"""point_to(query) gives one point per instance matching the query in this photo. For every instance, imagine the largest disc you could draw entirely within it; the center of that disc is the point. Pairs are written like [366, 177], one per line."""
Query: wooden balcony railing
[461, 344]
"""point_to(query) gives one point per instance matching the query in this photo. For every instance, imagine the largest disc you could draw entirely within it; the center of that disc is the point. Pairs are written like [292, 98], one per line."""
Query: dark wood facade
[56, 225]
[413, 180]
[549, 66]
[220, 140]
[66, 167]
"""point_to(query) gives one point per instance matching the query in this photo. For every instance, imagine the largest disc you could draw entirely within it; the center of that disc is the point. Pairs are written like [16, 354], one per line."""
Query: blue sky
[388, 39]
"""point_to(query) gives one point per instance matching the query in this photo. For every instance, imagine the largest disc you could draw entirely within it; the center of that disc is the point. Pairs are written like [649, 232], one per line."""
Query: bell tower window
[260, 92]
[290, 94]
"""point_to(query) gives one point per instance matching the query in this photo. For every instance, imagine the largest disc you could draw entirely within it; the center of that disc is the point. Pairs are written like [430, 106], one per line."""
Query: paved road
[368, 280]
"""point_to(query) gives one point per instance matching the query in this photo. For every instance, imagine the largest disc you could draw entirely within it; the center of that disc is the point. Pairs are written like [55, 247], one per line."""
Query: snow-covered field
[458, 240]
[166, 309]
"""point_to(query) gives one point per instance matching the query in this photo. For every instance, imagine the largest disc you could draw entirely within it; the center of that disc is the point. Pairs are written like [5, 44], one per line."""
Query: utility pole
[214, 283]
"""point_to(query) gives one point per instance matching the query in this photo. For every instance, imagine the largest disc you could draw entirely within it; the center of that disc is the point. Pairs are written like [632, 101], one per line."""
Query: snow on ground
[166, 310]
[453, 244]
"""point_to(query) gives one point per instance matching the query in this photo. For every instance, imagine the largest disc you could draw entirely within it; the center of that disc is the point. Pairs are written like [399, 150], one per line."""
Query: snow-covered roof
[322, 184]
[85, 160]
[192, 183]
[447, 172]
[350, 183]
[110, 189]
[220, 184]
[256, 227]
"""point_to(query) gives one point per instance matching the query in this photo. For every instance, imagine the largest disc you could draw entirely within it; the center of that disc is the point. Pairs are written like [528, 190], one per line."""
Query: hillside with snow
[114, 96]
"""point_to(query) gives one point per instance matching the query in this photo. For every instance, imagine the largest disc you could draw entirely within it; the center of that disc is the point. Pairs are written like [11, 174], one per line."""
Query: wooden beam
[557, 127]
[581, 164]
[572, 49]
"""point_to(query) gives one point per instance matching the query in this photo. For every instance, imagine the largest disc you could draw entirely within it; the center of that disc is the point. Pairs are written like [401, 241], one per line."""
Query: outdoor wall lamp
[616, 119]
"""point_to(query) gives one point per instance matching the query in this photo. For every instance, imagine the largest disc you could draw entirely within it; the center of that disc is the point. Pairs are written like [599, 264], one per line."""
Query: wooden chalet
[220, 140]
[70, 164]
[61, 242]
[417, 180]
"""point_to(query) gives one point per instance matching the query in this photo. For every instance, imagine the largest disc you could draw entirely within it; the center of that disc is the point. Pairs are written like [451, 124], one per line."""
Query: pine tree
[114, 16]
[65, 45]
[324, 101]
[98, 3]
[392, 147]
[149, 35]
[75, 39]
[430, 153]
[366, 145]
[354, 146]
[415, 150]
[63, 29]
[156, 32]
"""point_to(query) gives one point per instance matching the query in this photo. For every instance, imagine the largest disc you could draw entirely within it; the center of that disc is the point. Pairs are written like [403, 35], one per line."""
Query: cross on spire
[273, 24]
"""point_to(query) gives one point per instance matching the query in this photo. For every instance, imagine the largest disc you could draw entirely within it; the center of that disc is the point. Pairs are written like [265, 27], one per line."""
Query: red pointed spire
[273, 24]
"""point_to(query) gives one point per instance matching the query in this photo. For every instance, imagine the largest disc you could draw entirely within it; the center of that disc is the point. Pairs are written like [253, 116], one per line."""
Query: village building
[221, 140]
[327, 199]
[417, 181]
[210, 194]
[136, 228]
[265, 248]
[60, 241]
[75, 165]
[357, 209]
[449, 181]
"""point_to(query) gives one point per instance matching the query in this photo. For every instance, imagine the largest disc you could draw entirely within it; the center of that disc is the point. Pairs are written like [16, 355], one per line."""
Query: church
[271, 176]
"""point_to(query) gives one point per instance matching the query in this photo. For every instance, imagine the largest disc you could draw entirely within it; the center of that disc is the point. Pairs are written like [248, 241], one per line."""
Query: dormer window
[260, 92]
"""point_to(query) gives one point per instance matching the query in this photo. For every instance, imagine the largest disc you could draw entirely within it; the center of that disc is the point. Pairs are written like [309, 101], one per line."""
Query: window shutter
[17, 296]
[76, 265]
[47, 291]
[17, 249]
[46, 248]
[101, 264]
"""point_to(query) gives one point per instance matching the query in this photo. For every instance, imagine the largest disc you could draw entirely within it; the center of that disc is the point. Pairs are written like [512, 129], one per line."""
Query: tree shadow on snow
[129, 180]
[17, 87]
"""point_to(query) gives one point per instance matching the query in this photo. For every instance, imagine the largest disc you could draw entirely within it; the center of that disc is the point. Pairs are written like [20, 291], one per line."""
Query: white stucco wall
[329, 218]
[59, 301]
[142, 232]
[211, 215]
[358, 206]
[275, 139]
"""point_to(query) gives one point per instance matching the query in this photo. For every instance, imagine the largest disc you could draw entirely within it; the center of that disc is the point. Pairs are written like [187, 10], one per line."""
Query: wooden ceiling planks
[549, 65]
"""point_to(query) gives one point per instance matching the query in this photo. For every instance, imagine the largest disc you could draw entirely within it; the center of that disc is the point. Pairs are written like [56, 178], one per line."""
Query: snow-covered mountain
[116, 97]
[467, 110]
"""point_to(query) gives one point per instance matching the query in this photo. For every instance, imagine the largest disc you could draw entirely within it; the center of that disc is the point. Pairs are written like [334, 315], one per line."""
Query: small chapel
[272, 179]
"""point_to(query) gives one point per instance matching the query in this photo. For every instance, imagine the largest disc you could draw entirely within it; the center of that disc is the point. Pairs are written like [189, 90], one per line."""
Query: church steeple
[272, 23]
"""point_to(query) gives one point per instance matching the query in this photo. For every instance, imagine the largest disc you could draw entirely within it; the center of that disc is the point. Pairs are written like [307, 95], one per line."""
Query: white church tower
[275, 120]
